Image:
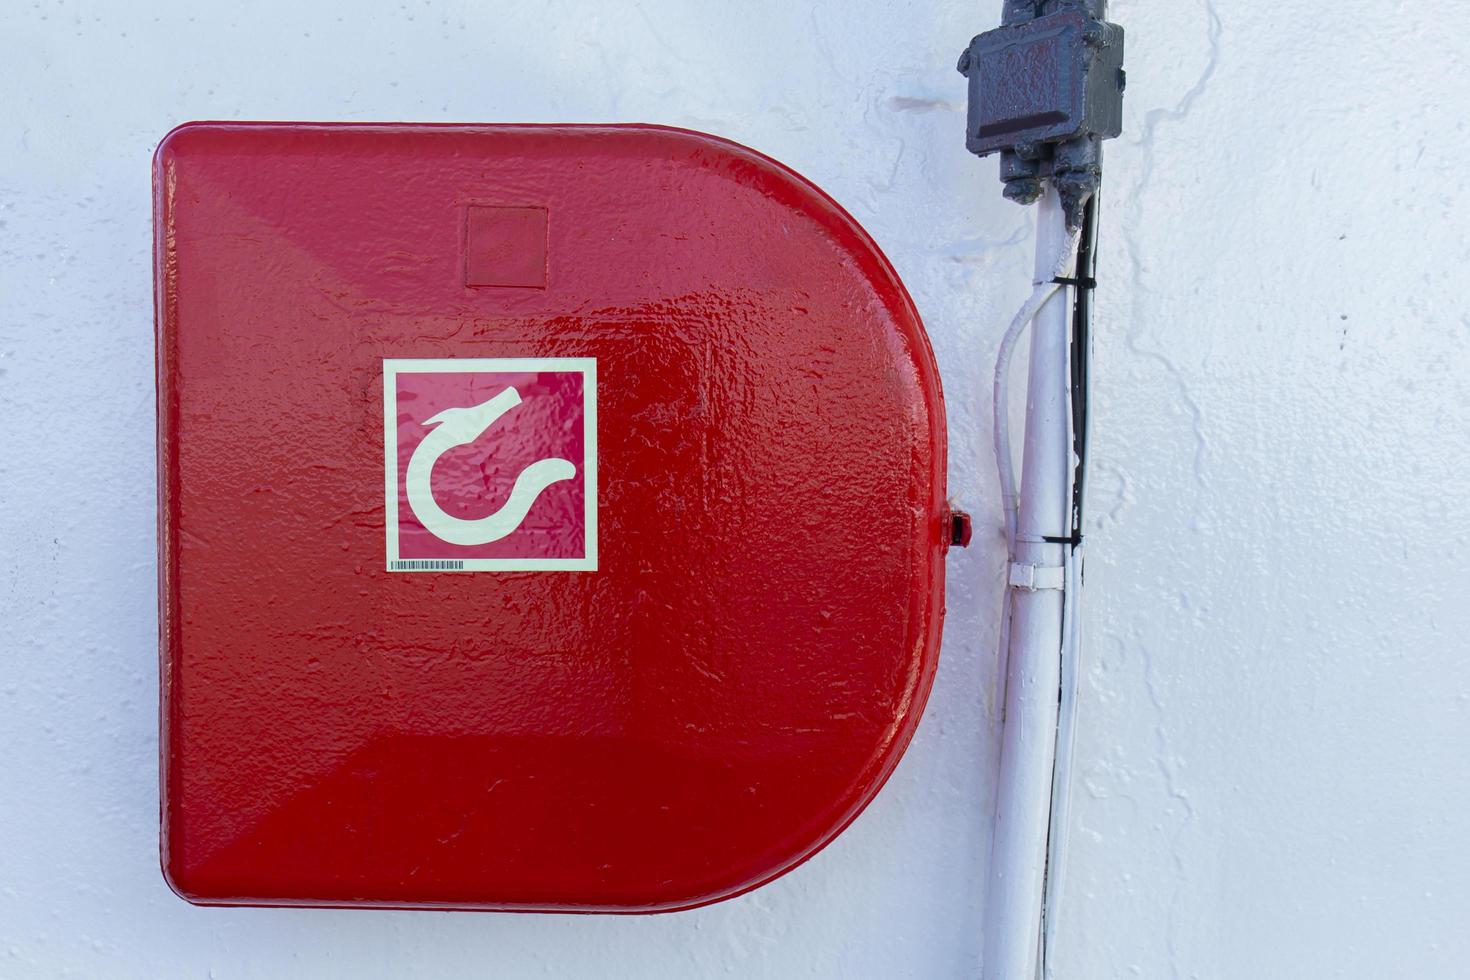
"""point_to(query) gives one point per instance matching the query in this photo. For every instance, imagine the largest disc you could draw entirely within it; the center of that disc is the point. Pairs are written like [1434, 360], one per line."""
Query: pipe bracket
[1034, 578]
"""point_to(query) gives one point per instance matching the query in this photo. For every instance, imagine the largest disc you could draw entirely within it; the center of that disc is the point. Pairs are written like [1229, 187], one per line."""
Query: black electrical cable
[1082, 357]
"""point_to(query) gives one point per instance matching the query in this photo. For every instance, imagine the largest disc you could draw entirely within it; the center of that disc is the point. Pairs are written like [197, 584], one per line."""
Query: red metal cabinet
[552, 517]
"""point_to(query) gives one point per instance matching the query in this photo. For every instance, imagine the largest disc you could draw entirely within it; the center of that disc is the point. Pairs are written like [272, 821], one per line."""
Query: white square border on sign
[586, 366]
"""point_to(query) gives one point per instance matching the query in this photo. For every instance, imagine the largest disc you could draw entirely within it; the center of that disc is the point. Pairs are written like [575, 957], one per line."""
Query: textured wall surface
[1277, 703]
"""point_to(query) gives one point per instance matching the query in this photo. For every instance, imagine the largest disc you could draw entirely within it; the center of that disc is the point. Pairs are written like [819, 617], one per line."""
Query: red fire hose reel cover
[552, 517]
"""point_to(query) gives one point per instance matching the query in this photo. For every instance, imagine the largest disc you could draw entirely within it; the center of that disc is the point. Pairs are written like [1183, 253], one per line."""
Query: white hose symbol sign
[458, 427]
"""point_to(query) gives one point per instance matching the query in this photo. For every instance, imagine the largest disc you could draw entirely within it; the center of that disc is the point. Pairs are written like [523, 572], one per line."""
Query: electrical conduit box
[552, 517]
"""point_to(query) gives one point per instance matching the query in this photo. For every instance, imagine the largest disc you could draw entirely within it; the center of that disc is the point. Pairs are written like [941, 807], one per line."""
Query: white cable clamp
[1033, 578]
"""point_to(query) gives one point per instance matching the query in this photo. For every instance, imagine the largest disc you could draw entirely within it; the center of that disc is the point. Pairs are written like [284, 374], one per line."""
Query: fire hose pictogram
[458, 427]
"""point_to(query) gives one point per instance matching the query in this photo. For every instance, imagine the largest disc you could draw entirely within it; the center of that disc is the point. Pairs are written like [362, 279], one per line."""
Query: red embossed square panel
[505, 246]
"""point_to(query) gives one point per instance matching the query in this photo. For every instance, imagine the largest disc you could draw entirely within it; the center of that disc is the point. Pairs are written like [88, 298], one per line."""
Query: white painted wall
[1277, 712]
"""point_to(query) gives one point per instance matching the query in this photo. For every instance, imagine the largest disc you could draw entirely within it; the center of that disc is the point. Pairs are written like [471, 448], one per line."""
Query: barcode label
[426, 565]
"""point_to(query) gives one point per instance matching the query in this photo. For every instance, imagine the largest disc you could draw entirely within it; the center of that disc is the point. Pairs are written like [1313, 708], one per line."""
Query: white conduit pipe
[1032, 621]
